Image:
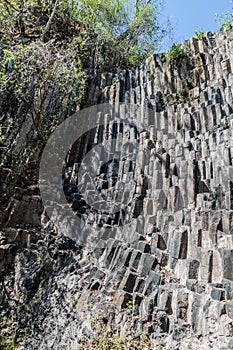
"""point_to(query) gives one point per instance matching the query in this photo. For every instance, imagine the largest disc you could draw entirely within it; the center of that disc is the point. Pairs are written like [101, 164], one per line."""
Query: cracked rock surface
[173, 280]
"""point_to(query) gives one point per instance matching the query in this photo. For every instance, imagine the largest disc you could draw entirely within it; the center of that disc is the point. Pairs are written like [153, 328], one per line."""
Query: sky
[188, 16]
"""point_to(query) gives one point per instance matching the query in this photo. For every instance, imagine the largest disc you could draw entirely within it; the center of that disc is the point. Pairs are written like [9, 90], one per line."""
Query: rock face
[174, 279]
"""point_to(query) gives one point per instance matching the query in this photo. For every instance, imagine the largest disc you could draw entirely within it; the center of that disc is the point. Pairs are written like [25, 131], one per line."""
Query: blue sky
[187, 16]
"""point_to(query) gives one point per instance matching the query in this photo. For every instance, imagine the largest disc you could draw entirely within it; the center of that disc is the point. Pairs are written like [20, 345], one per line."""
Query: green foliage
[7, 344]
[129, 305]
[26, 19]
[225, 19]
[39, 259]
[33, 72]
[176, 54]
[163, 56]
[50, 52]
[113, 32]
[199, 33]
[123, 31]
[107, 339]
[44, 83]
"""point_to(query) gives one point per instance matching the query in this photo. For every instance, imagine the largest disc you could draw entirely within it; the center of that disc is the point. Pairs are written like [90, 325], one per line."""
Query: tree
[225, 19]
[129, 29]
[49, 49]
[114, 32]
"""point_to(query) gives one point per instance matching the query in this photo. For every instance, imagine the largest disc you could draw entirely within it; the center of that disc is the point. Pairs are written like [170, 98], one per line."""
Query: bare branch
[47, 27]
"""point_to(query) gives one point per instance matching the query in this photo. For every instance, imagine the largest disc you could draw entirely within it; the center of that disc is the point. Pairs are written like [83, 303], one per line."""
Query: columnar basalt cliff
[173, 283]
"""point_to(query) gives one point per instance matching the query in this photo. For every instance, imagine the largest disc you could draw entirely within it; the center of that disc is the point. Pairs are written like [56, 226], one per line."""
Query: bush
[225, 19]
[176, 54]
[199, 33]
[107, 339]
[114, 32]
[33, 72]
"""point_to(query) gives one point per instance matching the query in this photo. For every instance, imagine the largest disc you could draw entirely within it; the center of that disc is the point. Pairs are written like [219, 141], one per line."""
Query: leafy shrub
[225, 19]
[7, 344]
[108, 339]
[31, 73]
[176, 54]
[118, 33]
[199, 33]
[163, 56]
